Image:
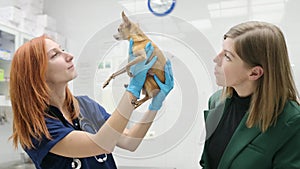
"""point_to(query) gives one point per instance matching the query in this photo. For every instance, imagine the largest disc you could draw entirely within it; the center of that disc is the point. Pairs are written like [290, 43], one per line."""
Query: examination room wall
[190, 37]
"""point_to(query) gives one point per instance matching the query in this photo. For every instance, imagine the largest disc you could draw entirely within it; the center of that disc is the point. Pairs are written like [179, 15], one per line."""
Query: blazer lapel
[241, 138]
[213, 117]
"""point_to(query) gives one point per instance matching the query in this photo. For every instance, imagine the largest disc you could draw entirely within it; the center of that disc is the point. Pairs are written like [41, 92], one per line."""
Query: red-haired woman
[45, 113]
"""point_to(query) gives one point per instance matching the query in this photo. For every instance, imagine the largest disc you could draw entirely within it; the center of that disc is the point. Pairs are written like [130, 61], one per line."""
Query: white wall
[80, 20]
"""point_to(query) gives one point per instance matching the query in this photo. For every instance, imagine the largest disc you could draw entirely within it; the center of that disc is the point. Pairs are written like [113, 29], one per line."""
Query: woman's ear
[256, 72]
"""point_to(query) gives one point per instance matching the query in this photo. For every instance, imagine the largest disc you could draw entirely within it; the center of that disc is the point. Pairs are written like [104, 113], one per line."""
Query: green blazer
[249, 148]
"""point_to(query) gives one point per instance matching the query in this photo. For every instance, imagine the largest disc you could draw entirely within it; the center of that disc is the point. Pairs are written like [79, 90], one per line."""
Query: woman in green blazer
[254, 122]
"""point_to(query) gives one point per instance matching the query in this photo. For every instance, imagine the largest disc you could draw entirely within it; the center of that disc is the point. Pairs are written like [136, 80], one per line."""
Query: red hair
[29, 93]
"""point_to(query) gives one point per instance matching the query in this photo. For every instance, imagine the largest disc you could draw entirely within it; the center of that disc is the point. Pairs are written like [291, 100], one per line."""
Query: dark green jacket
[277, 148]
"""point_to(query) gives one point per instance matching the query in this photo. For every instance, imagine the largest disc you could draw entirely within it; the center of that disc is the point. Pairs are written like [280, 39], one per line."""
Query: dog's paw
[130, 74]
[135, 103]
[106, 82]
[104, 85]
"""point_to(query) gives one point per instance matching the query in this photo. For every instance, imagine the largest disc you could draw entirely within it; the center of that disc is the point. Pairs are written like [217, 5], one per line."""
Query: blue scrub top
[58, 128]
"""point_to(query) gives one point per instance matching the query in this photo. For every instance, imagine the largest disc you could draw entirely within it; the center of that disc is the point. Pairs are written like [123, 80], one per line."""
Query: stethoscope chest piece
[76, 163]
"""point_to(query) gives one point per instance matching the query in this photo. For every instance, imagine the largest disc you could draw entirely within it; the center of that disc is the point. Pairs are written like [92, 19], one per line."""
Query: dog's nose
[116, 37]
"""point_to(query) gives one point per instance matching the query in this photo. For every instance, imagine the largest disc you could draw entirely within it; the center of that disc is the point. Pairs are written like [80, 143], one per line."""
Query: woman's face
[230, 70]
[60, 66]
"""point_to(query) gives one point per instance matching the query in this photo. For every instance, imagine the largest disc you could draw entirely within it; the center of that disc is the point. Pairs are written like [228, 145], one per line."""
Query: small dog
[126, 31]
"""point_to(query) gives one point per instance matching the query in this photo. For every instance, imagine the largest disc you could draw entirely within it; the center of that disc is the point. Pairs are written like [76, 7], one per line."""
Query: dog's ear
[125, 19]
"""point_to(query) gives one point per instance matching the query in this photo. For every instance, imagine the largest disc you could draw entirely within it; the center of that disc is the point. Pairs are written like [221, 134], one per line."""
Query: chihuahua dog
[129, 30]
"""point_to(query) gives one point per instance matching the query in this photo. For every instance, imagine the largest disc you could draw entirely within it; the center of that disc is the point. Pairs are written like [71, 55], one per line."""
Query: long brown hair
[263, 44]
[29, 93]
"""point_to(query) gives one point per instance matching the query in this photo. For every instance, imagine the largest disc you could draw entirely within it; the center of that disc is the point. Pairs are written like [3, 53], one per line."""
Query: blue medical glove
[148, 49]
[131, 56]
[139, 70]
[137, 81]
[164, 88]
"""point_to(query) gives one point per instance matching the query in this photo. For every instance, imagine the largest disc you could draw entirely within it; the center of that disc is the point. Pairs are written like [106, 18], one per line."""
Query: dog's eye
[118, 29]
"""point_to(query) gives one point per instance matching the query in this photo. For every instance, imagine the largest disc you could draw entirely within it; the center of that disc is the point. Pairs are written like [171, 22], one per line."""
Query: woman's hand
[164, 88]
[139, 70]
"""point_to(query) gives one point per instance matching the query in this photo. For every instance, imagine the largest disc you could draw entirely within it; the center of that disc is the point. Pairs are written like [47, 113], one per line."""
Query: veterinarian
[55, 128]
[254, 122]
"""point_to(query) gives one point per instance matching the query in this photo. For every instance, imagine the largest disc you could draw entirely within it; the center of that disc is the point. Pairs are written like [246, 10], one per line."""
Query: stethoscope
[86, 125]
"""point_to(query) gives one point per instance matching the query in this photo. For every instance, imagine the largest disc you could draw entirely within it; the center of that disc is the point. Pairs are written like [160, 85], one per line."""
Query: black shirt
[226, 127]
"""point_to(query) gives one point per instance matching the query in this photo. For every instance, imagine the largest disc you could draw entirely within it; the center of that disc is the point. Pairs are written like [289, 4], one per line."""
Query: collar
[56, 113]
